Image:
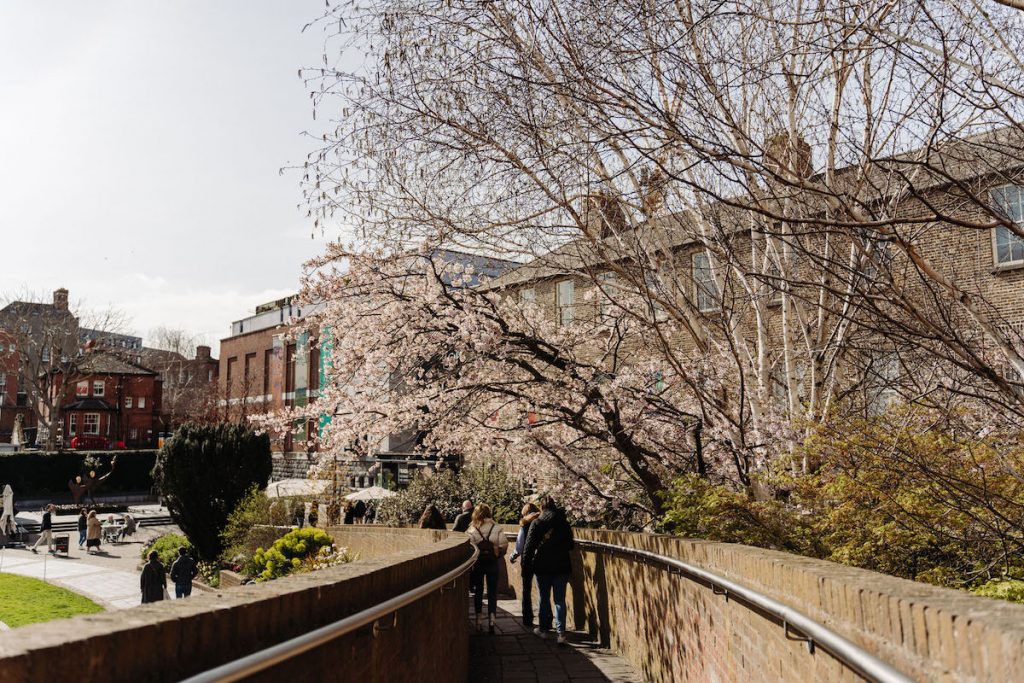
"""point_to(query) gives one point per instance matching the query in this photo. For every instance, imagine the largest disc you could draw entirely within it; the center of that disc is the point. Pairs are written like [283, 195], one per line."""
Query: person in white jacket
[490, 540]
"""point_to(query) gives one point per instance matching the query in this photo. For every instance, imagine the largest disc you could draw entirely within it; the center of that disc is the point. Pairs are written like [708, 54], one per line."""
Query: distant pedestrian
[359, 512]
[314, 513]
[432, 519]
[491, 543]
[547, 555]
[300, 514]
[530, 513]
[350, 513]
[183, 570]
[370, 516]
[463, 519]
[94, 532]
[153, 581]
[83, 525]
[46, 529]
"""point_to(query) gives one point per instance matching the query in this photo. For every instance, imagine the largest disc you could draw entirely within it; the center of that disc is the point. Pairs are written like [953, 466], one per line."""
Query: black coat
[548, 545]
[184, 569]
[462, 521]
[153, 581]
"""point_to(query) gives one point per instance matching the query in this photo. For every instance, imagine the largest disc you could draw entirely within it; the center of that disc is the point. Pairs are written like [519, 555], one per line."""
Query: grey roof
[103, 363]
[92, 404]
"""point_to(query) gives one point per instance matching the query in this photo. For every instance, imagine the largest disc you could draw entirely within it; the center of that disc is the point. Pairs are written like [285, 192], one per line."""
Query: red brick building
[114, 399]
[14, 399]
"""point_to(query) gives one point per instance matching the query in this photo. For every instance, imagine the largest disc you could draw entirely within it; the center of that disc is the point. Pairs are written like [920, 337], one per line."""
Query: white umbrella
[297, 487]
[7, 523]
[372, 493]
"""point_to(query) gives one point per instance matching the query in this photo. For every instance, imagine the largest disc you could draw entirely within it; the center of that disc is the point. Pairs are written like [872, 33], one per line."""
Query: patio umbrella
[7, 523]
[372, 493]
[297, 487]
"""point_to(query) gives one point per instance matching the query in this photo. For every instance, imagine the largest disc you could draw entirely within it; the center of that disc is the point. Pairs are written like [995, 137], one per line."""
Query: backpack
[486, 546]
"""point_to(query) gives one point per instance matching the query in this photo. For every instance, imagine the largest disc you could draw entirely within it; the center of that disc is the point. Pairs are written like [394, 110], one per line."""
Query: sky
[141, 148]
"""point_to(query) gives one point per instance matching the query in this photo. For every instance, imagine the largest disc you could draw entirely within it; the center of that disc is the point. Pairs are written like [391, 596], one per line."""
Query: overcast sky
[140, 149]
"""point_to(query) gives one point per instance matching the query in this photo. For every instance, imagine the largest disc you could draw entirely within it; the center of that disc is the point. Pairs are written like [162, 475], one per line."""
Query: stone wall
[167, 641]
[291, 465]
[674, 629]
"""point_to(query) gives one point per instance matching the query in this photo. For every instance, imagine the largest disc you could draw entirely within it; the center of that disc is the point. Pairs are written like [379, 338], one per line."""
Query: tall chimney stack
[202, 353]
[60, 299]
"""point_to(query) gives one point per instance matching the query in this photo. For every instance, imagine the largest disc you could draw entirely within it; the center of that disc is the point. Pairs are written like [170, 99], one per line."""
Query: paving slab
[514, 653]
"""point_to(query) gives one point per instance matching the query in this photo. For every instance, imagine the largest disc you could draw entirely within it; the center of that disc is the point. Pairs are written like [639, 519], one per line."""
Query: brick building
[189, 384]
[264, 368]
[14, 399]
[113, 398]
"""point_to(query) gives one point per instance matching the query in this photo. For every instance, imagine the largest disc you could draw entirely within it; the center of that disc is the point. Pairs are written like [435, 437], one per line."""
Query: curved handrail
[844, 650]
[268, 657]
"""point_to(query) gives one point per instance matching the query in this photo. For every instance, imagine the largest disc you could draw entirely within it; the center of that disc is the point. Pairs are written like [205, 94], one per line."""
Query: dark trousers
[527, 597]
[488, 571]
[182, 590]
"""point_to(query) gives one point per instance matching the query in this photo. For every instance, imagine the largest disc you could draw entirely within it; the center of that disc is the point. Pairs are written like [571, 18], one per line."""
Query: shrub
[256, 522]
[203, 471]
[1002, 589]
[299, 550]
[166, 547]
[37, 474]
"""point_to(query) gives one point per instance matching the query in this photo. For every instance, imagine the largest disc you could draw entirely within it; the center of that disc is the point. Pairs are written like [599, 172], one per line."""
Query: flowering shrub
[299, 550]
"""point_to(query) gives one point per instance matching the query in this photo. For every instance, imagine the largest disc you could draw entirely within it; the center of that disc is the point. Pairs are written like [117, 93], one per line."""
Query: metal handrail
[268, 657]
[815, 634]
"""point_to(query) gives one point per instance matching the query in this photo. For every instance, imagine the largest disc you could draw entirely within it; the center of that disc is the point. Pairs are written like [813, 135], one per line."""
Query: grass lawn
[28, 601]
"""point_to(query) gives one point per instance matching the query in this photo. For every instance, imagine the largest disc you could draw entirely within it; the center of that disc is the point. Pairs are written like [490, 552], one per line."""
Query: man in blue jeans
[547, 556]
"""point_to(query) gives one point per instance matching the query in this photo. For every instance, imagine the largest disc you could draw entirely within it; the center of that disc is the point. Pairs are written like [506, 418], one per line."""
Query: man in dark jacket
[547, 556]
[46, 529]
[462, 520]
[182, 572]
[153, 581]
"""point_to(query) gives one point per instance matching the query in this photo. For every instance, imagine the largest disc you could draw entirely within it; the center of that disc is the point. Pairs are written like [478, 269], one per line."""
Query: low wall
[169, 640]
[674, 629]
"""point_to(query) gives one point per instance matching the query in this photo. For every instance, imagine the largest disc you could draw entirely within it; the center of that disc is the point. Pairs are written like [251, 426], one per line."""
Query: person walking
[46, 529]
[350, 513]
[153, 581]
[359, 512]
[314, 513]
[94, 532]
[183, 570]
[83, 525]
[530, 513]
[463, 519]
[432, 518]
[546, 555]
[491, 543]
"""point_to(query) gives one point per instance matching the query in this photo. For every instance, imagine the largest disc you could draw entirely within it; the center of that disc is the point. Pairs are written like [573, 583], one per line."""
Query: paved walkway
[514, 653]
[110, 578]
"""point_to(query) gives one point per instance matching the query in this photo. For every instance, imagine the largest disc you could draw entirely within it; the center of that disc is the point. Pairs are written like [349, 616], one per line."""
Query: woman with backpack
[490, 541]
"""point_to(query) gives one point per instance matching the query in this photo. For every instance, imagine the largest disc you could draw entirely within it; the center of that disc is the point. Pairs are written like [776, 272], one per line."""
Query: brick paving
[515, 654]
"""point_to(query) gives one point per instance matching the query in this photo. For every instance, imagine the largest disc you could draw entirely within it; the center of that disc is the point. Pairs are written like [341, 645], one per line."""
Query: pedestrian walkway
[109, 578]
[514, 653]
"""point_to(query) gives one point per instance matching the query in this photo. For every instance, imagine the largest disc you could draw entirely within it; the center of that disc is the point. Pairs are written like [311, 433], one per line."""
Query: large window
[565, 296]
[91, 423]
[706, 289]
[1008, 248]
[73, 424]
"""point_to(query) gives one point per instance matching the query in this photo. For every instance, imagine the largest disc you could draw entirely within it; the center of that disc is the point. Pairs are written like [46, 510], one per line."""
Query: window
[209, 375]
[565, 295]
[706, 289]
[73, 424]
[133, 433]
[606, 284]
[98, 387]
[91, 423]
[882, 383]
[142, 401]
[528, 295]
[3, 383]
[1008, 248]
[651, 283]
[128, 402]
[82, 388]
[46, 354]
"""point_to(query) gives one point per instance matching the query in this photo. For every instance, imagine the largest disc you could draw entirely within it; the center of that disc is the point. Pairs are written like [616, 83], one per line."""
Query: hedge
[38, 473]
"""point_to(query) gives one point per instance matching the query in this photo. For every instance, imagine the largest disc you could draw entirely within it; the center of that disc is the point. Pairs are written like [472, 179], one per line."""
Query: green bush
[1002, 589]
[256, 522]
[289, 553]
[38, 474]
[166, 547]
[203, 472]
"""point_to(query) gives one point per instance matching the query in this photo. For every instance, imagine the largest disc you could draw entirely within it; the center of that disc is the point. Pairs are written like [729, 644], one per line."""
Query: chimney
[60, 299]
[202, 353]
[788, 154]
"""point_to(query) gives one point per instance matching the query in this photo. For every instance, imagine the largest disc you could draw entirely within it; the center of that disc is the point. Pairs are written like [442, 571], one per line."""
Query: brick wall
[167, 641]
[674, 629]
